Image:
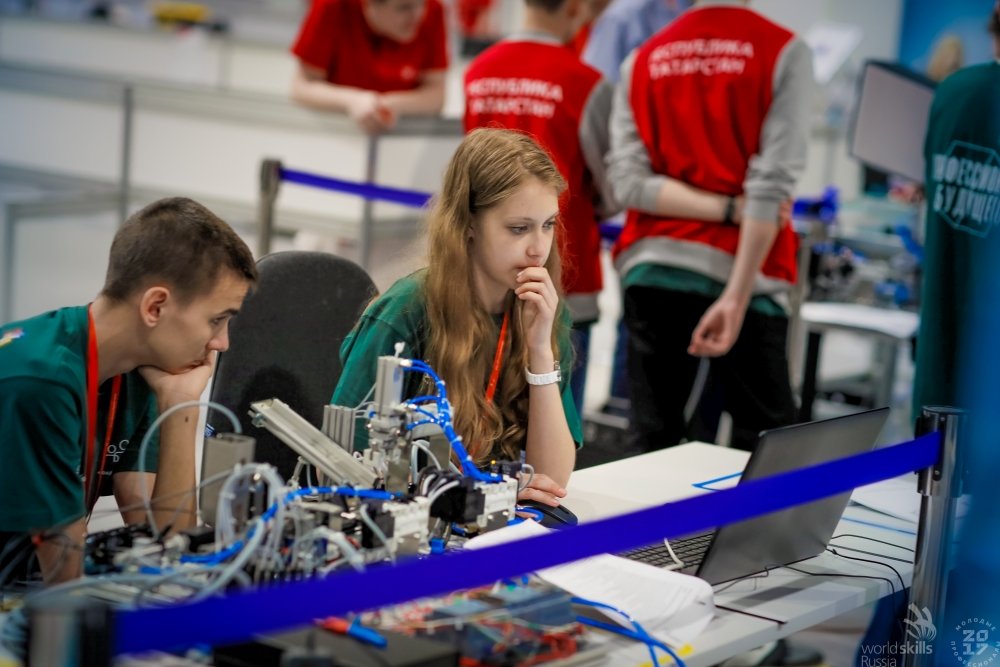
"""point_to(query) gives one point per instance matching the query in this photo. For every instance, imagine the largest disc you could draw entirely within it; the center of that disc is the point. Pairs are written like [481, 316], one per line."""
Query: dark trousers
[751, 381]
[580, 337]
[17, 558]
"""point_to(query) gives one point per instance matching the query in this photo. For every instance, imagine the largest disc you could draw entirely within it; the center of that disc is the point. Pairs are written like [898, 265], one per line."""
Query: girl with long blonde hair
[486, 313]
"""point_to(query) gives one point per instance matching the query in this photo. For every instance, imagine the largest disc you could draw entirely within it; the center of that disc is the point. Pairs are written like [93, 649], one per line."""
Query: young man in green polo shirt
[80, 386]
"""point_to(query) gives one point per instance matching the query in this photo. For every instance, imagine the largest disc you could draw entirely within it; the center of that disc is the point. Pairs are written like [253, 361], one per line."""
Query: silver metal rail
[940, 488]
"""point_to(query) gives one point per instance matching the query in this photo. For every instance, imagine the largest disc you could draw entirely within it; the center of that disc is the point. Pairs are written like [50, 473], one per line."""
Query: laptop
[740, 549]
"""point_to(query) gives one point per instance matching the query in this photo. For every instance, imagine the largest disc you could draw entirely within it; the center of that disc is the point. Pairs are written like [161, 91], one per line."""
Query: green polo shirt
[43, 421]
[681, 280]
[400, 315]
[961, 242]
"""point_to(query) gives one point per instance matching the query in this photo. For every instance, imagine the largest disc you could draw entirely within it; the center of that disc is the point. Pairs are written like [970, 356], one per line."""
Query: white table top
[795, 601]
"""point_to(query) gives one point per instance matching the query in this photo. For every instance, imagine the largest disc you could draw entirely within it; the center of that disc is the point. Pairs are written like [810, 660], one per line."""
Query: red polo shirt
[336, 38]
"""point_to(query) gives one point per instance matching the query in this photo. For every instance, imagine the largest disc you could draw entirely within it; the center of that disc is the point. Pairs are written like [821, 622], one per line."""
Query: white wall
[880, 22]
[228, 166]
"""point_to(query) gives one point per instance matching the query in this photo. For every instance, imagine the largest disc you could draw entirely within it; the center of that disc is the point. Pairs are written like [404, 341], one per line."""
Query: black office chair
[285, 343]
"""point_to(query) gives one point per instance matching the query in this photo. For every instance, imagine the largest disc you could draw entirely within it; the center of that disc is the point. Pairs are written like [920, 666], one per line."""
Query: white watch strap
[539, 379]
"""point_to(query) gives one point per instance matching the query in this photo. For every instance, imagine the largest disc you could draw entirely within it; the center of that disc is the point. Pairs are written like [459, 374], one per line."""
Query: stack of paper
[670, 606]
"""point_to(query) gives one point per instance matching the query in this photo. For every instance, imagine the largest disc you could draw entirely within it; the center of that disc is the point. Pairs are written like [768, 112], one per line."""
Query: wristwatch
[539, 379]
[730, 211]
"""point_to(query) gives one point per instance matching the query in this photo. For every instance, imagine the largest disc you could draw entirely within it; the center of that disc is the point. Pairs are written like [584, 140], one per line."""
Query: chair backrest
[285, 343]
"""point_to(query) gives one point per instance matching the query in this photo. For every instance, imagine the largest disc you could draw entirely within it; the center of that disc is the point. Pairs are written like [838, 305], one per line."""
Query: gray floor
[60, 260]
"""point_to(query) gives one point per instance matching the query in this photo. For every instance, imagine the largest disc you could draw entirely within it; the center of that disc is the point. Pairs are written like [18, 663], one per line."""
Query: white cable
[414, 455]
[379, 533]
[293, 481]
[147, 500]
[427, 450]
[531, 470]
[350, 553]
[441, 491]
[670, 550]
[225, 528]
[186, 581]
[276, 493]
[365, 399]
[235, 566]
[697, 389]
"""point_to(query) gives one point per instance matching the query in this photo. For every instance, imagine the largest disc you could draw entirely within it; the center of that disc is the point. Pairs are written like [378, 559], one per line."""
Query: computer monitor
[890, 119]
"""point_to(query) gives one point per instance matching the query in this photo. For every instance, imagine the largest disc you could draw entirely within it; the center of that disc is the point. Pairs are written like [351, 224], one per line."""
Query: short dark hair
[994, 23]
[177, 242]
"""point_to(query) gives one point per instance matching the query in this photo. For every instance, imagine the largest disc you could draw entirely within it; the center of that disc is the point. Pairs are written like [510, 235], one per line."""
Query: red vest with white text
[700, 92]
[542, 89]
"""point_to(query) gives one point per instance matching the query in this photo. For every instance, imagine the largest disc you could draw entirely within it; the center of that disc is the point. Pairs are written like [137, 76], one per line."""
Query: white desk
[796, 600]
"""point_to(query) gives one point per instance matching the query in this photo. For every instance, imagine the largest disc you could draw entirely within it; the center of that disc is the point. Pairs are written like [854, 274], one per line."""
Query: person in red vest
[533, 82]
[717, 100]
[372, 59]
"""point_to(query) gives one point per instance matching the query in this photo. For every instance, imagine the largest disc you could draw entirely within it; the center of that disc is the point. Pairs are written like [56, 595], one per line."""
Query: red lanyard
[491, 388]
[92, 485]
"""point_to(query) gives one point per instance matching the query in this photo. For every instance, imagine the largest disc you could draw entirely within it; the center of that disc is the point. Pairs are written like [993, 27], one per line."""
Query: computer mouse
[552, 517]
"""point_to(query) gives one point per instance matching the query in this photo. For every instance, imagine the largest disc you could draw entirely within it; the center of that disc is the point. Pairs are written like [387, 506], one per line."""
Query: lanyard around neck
[91, 473]
[491, 387]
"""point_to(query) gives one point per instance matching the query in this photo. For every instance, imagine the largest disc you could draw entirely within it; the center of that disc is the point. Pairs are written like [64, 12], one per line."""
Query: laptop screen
[801, 532]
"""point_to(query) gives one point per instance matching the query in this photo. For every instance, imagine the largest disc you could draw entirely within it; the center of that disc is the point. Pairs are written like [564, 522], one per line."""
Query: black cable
[750, 613]
[892, 586]
[902, 586]
[872, 553]
[767, 573]
[872, 539]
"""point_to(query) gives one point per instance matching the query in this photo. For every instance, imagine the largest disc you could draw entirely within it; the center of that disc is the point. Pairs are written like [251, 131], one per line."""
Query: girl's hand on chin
[535, 288]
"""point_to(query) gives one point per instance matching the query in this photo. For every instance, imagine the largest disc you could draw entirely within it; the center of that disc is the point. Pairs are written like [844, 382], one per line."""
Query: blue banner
[240, 616]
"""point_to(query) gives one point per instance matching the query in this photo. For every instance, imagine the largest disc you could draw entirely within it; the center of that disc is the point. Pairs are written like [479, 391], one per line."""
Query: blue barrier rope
[240, 615]
[416, 199]
[363, 190]
[413, 198]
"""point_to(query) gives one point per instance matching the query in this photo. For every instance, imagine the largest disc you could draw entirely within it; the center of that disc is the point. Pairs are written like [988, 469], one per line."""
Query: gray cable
[143, 448]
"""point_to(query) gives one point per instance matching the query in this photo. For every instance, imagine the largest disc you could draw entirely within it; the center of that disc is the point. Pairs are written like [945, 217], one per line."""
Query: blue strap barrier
[364, 190]
[412, 198]
[825, 207]
[239, 616]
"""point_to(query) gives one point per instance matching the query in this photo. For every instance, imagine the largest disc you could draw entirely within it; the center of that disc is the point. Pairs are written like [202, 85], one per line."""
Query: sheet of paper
[896, 497]
[678, 606]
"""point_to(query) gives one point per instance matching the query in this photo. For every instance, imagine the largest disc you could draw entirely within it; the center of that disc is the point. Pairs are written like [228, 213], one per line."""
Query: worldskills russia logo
[918, 640]
[920, 628]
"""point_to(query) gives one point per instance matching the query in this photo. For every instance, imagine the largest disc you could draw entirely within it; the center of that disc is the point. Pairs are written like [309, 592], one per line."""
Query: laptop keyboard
[690, 551]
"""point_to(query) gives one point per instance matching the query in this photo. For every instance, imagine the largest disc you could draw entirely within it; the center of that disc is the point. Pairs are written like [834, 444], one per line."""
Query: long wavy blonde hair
[487, 168]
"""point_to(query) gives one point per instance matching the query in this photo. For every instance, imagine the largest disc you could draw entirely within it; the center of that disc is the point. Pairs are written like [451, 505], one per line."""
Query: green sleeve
[128, 446]
[40, 424]
[572, 415]
[566, 362]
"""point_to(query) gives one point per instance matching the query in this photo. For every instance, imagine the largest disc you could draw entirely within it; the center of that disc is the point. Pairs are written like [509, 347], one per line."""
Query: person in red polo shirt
[372, 59]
